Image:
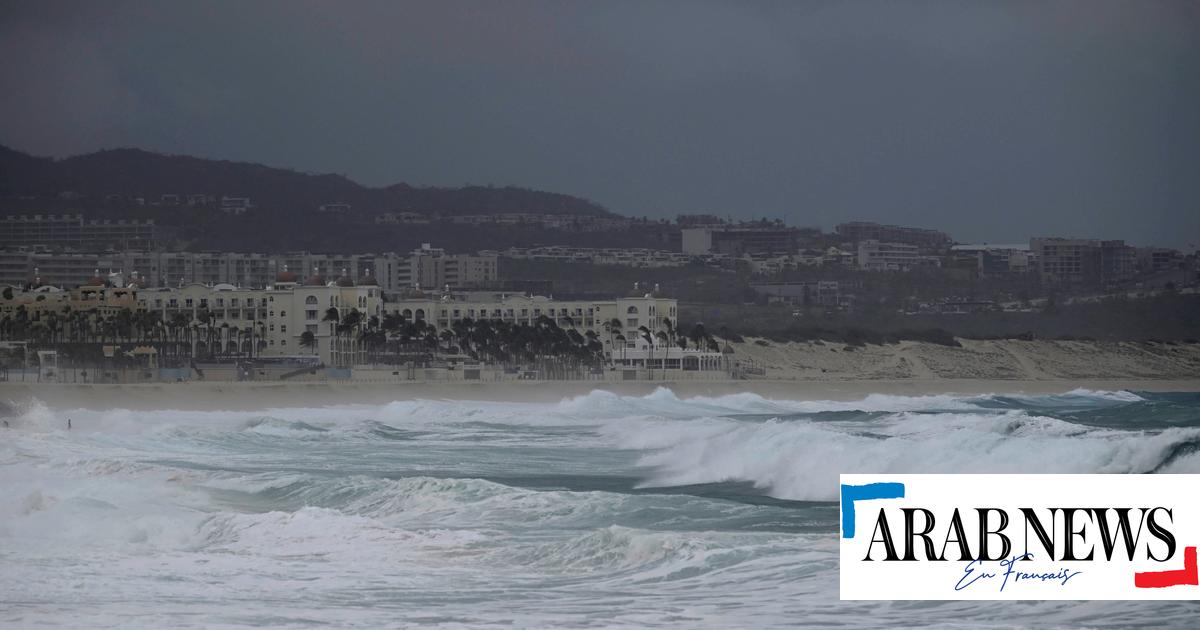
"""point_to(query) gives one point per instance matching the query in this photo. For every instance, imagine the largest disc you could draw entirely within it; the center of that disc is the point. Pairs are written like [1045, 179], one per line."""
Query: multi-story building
[625, 257]
[270, 323]
[16, 267]
[1067, 260]
[427, 267]
[94, 296]
[995, 260]
[1118, 261]
[1149, 259]
[877, 256]
[431, 267]
[736, 240]
[927, 240]
[223, 320]
[565, 222]
[823, 293]
[73, 231]
[1078, 261]
[54, 268]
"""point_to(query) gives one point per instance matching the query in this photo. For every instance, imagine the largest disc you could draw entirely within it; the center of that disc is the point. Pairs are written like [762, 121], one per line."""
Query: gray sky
[993, 120]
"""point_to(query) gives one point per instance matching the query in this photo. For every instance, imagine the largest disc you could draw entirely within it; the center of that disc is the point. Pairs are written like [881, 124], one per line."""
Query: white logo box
[1042, 577]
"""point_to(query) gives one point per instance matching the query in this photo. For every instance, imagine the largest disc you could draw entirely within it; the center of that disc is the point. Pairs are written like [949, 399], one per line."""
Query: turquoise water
[597, 511]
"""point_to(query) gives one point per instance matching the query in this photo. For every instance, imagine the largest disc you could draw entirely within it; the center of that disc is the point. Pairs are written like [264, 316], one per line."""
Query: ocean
[597, 511]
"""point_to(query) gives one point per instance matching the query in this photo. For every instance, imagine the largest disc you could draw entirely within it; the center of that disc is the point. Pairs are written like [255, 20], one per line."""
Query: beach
[793, 371]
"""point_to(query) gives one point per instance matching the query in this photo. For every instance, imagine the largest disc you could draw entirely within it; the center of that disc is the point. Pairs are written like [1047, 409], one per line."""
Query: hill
[131, 174]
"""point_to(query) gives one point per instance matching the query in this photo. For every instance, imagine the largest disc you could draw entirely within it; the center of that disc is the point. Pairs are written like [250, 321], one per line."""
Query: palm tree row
[390, 339]
[492, 341]
[175, 336]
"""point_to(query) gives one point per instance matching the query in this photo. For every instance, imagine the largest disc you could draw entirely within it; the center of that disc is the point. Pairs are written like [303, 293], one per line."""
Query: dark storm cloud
[994, 120]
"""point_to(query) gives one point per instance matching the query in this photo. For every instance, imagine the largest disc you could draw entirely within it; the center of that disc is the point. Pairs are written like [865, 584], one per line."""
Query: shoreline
[271, 395]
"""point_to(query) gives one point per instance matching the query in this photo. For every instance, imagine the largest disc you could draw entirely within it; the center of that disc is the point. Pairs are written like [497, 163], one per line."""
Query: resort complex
[303, 323]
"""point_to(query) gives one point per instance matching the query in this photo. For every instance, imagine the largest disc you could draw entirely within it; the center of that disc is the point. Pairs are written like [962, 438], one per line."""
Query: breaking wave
[474, 513]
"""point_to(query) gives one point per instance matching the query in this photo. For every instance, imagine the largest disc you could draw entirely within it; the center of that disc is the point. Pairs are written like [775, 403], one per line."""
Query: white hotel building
[268, 323]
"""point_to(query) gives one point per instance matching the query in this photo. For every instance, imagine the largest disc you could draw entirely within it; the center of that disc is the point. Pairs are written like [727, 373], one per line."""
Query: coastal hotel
[267, 323]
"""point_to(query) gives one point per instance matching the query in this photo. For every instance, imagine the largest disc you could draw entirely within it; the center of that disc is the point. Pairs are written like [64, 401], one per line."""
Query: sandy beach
[794, 371]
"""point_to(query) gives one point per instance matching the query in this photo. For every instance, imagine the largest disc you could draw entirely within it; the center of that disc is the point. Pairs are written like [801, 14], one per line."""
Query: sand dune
[993, 360]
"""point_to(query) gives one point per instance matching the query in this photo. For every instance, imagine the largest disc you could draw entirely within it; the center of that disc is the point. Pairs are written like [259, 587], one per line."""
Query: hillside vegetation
[137, 173]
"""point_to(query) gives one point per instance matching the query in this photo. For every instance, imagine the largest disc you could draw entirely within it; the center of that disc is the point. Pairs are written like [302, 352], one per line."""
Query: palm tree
[614, 326]
[649, 339]
[352, 320]
[308, 340]
[725, 336]
[668, 339]
[447, 338]
[178, 325]
[331, 315]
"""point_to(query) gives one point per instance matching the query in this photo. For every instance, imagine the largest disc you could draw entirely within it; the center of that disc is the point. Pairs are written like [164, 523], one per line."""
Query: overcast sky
[993, 120]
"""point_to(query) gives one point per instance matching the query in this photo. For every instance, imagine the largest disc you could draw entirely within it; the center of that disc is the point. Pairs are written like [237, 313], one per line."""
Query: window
[283, 328]
[311, 314]
[233, 302]
[188, 302]
[283, 313]
[631, 322]
[632, 310]
[312, 299]
[272, 327]
[283, 342]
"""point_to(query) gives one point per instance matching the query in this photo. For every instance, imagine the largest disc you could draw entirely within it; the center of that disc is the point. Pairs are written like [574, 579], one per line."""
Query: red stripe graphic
[1163, 579]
